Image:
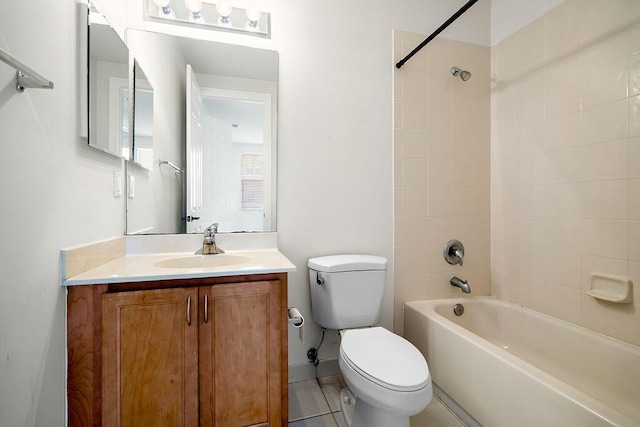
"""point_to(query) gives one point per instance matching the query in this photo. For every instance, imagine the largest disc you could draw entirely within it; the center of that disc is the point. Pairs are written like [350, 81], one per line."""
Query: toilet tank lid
[350, 262]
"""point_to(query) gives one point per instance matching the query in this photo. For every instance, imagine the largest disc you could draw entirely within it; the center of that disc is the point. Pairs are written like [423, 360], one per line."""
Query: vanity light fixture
[212, 14]
[164, 11]
[253, 16]
[224, 9]
[194, 6]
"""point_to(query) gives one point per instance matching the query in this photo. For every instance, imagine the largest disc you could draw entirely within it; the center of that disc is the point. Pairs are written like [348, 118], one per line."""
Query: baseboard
[307, 371]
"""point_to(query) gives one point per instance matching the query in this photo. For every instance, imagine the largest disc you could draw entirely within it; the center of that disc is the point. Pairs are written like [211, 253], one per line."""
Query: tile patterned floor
[316, 403]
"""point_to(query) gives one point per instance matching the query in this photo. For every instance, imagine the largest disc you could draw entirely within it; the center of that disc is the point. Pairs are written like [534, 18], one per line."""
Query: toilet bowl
[388, 377]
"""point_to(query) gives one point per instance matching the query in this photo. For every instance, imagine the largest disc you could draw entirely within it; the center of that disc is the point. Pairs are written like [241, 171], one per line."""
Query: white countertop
[142, 267]
[141, 259]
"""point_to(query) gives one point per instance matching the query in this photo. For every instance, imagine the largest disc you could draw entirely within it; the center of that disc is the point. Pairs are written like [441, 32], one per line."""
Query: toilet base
[358, 413]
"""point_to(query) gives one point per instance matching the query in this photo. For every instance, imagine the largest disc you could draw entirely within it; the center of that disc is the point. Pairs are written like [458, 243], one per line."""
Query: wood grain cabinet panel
[202, 352]
[150, 358]
[239, 355]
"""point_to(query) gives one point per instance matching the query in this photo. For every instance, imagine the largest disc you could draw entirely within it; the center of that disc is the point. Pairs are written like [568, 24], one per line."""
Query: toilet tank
[347, 290]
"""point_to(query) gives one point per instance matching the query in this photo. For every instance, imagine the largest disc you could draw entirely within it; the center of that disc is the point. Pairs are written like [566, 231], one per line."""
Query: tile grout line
[326, 400]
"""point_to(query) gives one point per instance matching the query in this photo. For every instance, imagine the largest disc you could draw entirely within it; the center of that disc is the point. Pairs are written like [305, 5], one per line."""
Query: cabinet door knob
[189, 311]
[206, 308]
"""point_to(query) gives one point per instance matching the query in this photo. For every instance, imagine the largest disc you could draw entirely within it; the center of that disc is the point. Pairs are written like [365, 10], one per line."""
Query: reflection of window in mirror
[252, 181]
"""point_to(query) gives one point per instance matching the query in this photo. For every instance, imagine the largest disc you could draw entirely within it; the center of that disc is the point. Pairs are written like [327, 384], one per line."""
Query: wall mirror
[108, 86]
[214, 137]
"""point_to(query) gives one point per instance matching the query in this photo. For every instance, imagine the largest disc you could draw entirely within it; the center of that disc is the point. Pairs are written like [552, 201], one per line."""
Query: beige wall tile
[618, 320]
[414, 143]
[562, 31]
[440, 145]
[634, 116]
[604, 161]
[463, 145]
[439, 173]
[439, 117]
[562, 268]
[439, 54]
[634, 199]
[563, 132]
[562, 88]
[415, 260]
[605, 123]
[439, 91]
[600, 18]
[605, 70]
[605, 199]
[415, 231]
[605, 238]
[462, 174]
[414, 115]
[414, 173]
[634, 242]
[634, 158]
[414, 86]
[414, 202]
[562, 302]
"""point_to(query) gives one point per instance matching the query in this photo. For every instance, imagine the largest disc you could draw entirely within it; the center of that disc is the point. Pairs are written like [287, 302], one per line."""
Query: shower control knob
[453, 252]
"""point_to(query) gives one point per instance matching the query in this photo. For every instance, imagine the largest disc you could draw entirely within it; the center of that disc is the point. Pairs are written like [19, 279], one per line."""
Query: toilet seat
[385, 358]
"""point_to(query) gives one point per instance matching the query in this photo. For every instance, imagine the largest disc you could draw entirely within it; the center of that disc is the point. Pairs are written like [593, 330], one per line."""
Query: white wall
[56, 192]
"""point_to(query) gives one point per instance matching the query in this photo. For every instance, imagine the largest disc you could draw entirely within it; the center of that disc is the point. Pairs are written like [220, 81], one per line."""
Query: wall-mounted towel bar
[168, 163]
[27, 78]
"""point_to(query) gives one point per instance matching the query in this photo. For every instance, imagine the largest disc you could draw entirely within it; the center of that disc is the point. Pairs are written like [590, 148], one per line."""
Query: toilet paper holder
[295, 318]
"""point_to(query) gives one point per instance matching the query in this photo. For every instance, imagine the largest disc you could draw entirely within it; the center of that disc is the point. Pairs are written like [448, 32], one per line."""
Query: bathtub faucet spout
[462, 284]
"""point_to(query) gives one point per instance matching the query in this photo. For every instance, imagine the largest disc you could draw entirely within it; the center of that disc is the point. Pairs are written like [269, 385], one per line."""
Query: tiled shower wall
[442, 169]
[565, 162]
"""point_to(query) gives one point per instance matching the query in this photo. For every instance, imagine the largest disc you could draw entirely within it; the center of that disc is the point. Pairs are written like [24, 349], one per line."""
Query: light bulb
[194, 6]
[253, 16]
[224, 9]
[164, 11]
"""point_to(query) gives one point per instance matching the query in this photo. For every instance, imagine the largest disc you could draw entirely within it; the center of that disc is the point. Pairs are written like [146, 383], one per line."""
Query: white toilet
[388, 376]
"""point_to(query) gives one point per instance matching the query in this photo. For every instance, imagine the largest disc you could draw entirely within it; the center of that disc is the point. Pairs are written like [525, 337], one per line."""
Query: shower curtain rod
[433, 35]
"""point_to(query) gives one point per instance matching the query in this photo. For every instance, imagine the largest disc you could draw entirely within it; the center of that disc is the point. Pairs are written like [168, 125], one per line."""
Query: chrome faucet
[209, 243]
[462, 284]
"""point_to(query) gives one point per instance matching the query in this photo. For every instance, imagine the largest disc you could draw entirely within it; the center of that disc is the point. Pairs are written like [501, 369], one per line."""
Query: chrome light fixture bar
[218, 15]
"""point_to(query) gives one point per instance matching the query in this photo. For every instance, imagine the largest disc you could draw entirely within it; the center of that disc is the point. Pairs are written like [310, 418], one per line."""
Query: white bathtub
[510, 366]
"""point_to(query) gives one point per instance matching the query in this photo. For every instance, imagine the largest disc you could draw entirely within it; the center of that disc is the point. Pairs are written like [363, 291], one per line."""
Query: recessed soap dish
[612, 288]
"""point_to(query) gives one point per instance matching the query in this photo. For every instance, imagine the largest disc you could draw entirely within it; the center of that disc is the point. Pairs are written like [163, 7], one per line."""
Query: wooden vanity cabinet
[208, 352]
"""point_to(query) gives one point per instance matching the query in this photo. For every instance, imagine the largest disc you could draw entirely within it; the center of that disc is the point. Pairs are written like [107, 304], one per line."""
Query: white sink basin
[203, 261]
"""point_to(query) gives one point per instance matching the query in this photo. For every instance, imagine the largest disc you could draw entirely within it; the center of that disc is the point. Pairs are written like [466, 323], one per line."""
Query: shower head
[464, 75]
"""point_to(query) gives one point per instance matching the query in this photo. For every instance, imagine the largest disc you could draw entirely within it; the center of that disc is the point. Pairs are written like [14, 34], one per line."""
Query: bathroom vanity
[164, 339]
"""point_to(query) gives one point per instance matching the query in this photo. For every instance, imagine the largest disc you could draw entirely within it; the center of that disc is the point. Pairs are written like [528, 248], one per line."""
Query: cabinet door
[150, 358]
[240, 355]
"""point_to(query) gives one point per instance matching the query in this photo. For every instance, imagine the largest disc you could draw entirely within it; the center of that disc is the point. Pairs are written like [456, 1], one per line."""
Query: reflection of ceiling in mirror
[207, 57]
[245, 116]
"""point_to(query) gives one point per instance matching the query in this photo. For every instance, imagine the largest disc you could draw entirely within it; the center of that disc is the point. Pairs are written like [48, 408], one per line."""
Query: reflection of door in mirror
[229, 131]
